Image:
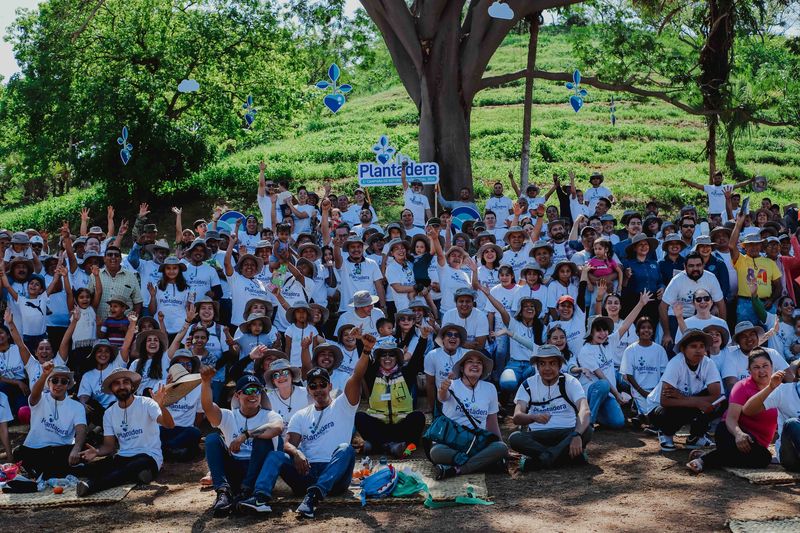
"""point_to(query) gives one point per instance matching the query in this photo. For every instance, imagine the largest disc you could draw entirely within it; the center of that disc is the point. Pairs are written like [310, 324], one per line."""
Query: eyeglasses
[59, 381]
[692, 226]
[281, 373]
[317, 385]
[452, 334]
[251, 390]
[702, 299]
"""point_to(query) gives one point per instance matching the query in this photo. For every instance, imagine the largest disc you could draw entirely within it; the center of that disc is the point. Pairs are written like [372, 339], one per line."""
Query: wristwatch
[576, 434]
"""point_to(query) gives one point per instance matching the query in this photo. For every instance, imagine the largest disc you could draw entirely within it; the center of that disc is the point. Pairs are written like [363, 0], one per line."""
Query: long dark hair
[155, 372]
[566, 352]
[180, 282]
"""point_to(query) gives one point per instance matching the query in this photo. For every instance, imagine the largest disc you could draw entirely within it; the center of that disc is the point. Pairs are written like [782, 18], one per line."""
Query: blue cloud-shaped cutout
[499, 10]
[188, 86]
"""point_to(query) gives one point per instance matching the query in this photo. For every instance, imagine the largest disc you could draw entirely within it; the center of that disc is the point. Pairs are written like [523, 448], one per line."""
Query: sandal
[695, 465]
[696, 454]
[205, 481]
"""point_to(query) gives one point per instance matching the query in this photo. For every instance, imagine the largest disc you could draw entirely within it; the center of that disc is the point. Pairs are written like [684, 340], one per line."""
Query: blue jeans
[501, 350]
[180, 438]
[604, 408]
[232, 472]
[326, 478]
[515, 373]
[745, 311]
[790, 445]
[15, 397]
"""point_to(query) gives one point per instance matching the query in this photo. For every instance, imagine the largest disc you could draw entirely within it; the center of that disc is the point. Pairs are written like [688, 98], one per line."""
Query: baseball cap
[565, 298]
[248, 381]
[318, 373]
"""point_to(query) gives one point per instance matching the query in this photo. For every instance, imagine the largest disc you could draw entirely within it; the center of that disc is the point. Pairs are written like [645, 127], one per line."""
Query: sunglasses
[452, 334]
[250, 391]
[703, 299]
[692, 226]
[59, 381]
[406, 319]
[113, 255]
[281, 373]
[184, 364]
[317, 385]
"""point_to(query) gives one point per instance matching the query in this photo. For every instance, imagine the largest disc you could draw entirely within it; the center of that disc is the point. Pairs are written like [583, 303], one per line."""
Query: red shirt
[762, 426]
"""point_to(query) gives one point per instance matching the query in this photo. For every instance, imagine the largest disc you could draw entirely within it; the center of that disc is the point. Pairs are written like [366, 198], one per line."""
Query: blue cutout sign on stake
[613, 110]
[127, 148]
[250, 115]
[576, 100]
[335, 100]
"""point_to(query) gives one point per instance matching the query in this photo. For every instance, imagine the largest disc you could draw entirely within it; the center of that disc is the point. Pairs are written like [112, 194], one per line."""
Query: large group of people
[297, 337]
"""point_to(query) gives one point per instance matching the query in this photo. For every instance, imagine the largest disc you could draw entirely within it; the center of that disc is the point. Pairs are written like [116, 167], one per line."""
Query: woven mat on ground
[765, 526]
[771, 475]
[46, 498]
[448, 489]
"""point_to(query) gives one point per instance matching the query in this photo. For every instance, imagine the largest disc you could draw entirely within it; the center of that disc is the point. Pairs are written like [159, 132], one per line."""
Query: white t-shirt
[417, 204]
[33, 312]
[786, 399]
[645, 364]
[265, 206]
[86, 329]
[517, 351]
[489, 278]
[184, 410]
[92, 383]
[525, 291]
[439, 363]
[685, 380]
[200, 279]
[735, 363]
[517, 260]
[11, 365]
[287, 408]
[402, 275]
[682, 289]
[34, 370]
[597, 357]
[53, 423]
[172, 303]
[556, 290]
[135, 428]
[293, 292]
[693, 322]
[506, 297]
[303, 225]
[501, 206]
[783, 339]
[248, 241]
[5, 409]
[242, 291]
[624, 341]
[234, 423]
[357, 277]
[593, 195]
[716, 197]
[450, 280]
[148, 273]
[575, 329]
[368, 323]
[562, 415]
[479, 402]
[297, 334]
[321, 432]
[147, 381]
[476, 323]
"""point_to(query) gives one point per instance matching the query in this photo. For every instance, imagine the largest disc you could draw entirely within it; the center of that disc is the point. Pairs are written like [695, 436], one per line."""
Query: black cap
[247, 381]
[318, 373]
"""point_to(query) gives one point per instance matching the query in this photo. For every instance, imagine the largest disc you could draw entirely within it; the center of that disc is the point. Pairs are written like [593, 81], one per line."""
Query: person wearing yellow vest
[391, 422]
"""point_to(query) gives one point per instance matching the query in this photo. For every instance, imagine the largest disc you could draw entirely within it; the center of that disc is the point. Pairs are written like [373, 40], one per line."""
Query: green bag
[466, 441]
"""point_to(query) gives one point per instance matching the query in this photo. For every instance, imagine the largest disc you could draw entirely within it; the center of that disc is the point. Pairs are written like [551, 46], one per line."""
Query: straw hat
[117, 373]
[488, 364]
[181, 382]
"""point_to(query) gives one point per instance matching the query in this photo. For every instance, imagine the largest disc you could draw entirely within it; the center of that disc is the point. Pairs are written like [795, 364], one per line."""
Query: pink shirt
[603, 267]
[762, 426]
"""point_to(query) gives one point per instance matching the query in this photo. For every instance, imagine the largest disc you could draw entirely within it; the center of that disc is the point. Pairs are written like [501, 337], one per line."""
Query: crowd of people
[293, 331]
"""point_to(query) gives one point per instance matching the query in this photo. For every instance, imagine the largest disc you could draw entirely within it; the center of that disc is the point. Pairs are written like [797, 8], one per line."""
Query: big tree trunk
[525, 156]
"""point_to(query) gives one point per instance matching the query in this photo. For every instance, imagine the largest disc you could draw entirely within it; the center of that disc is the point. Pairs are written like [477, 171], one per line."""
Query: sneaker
[82, 489]
[444, 472]
[694, 443]
[258, 503]
[309, 505]
[666, 442]
[396, 449]
[223, 503]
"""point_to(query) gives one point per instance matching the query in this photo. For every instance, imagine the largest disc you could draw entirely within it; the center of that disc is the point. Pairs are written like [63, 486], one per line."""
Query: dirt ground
[629, 486]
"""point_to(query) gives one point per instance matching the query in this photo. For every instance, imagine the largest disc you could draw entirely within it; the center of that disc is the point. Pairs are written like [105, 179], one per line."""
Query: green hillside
[651, 147]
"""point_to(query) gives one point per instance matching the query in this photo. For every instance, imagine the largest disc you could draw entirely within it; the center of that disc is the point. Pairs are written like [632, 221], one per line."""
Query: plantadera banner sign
[385, 171]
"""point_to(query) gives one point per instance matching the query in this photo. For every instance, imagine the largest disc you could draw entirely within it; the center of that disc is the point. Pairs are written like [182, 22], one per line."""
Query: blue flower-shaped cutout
[383, 150]
[576, 100]
[336, 99]
[127, 148]
[250, 114]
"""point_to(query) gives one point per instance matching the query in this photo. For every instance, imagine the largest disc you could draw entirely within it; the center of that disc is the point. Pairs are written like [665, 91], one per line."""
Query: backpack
[562, 390]
[379, 484]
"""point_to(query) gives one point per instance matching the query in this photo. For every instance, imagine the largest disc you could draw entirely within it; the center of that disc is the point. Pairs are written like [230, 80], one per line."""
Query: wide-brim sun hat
[251, 302]
[598, 320]
[673, 238]
[290, 313]
[630, 250]
[363, 299]
[259, 262]
[60, 370]
[266, 323]
[141, 338]
[324, 311]
[278, 365]
[490, 246]
[547, 350]
[692, 335]
[745, 326]
[338, 356]
[390, 348]
[183, 382]
[537, 305]
[117, 373]
[488, 364]
[447, 327]
[723, 331]
[172, 261]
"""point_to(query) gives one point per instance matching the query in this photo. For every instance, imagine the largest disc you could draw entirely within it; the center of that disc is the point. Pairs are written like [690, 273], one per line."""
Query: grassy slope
[652, 146]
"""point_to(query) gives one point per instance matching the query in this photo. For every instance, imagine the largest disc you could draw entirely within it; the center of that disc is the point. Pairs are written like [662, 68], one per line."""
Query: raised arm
[84, 222]
[229, 251]
[4, 282]
[110, 220]
[744, 183]
[123, 229]
[262, 182]
[24, 353]
[66, 241]
[352, 388]
[436, 247]
[497, 305]
[212, 411]
[66, 340]
[403, 179]
[645, 298]
[755, 404]
[325, 228]
[513, 183]
[125, 351]
[38, 385]
[694, 185]
[178, 224]
[733, 244]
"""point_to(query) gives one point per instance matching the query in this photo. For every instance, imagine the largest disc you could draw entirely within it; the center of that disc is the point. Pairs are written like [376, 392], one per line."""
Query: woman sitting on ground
[391, 422]
[468, 385]
[742, 441]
